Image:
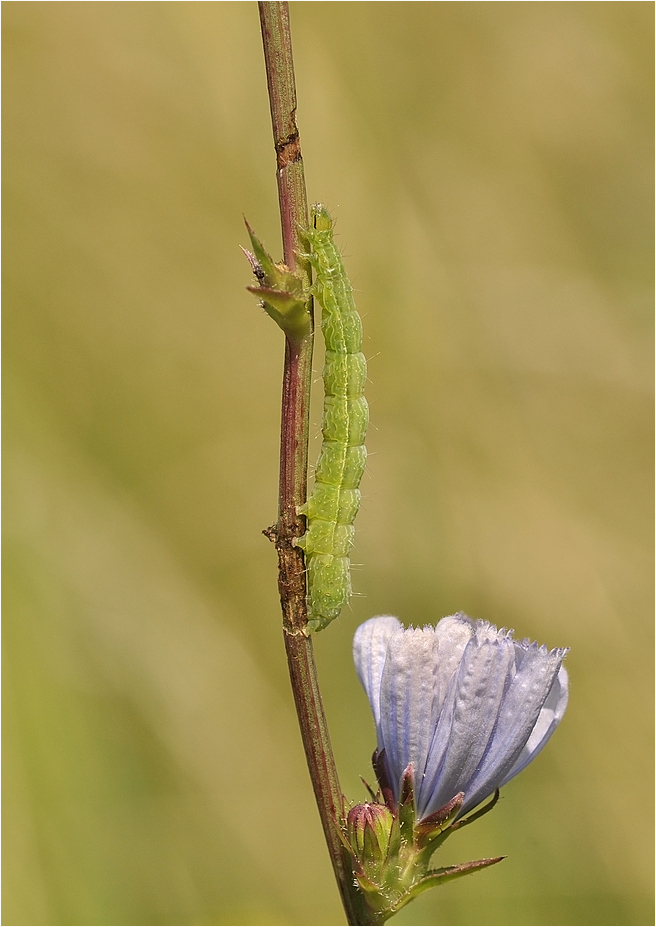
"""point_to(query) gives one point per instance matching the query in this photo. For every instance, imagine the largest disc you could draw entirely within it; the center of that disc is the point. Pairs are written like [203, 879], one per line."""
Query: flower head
[463, 704]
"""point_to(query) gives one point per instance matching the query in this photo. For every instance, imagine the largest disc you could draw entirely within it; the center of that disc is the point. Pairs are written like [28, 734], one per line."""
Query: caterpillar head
[320, 219]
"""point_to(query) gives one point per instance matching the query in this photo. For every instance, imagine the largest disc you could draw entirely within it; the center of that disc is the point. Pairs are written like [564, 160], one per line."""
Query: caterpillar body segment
[335, 499]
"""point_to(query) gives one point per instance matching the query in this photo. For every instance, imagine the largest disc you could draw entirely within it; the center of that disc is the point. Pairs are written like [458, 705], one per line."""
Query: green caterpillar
[335, 499]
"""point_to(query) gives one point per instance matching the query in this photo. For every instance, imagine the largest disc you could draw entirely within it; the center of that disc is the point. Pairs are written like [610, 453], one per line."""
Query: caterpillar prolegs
[335, 499]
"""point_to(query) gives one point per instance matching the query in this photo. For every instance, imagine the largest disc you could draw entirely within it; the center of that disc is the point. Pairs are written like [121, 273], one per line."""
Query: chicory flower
[463, 704]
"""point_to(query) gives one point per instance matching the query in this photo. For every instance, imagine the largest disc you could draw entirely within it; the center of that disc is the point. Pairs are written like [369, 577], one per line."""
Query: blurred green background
[489, 167]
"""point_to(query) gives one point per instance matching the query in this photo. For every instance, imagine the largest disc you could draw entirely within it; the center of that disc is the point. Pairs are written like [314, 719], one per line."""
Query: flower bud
[368, 828]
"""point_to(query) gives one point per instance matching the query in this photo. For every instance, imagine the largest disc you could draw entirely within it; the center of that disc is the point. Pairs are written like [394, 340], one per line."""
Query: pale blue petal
[464, 703]
[407, 710]
[518, 715]
[467, 725]
[453, 634]
[369, 652]
[548, 720]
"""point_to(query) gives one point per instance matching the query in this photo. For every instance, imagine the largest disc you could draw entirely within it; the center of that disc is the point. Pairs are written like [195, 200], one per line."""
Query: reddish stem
[297, 378]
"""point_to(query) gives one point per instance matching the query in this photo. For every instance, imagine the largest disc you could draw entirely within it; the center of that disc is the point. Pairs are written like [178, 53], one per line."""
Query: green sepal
[477, 814]
[395, 839]
[376, 900]
[284, 294]
[431, 832]
[406, 810]
[375, 842]
[430, 828]
[439, 877]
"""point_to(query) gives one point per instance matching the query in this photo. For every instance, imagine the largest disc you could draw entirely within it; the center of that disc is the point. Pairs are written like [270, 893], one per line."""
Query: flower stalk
[281, 296]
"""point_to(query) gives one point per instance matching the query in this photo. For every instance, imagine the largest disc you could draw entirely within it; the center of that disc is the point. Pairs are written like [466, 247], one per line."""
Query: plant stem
[276, 36]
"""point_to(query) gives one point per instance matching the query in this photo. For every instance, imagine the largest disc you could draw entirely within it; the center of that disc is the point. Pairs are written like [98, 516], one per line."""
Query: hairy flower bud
[368, 829]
